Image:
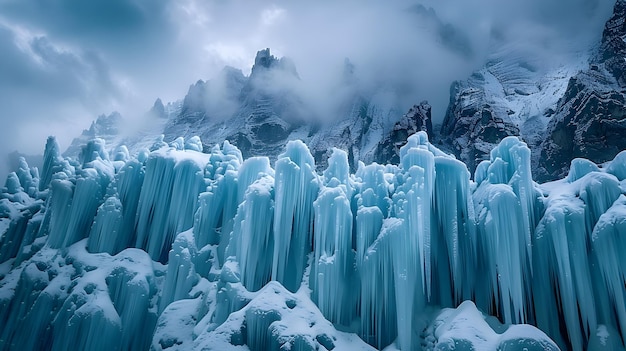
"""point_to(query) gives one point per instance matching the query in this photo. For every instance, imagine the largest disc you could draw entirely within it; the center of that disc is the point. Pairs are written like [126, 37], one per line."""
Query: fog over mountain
[64, 62]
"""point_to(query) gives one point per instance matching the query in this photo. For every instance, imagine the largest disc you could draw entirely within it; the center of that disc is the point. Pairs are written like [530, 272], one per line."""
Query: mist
[64, 63]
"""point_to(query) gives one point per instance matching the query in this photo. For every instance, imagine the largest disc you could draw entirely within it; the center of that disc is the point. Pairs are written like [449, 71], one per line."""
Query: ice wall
[179, 249]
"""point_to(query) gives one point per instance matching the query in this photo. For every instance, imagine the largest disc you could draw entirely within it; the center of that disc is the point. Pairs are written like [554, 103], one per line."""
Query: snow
[177, 249]
[92, 312]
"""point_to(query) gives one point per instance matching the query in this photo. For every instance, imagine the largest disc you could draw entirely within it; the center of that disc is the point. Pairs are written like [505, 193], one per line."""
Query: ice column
[51, 161]
[253, 239]
[609, 246]
[217, 207]
[106, 229]
[332, 273]
[296, 187]
[562, 266]
[455, 224]
[168, 199]
[378, 295]
[418, 164]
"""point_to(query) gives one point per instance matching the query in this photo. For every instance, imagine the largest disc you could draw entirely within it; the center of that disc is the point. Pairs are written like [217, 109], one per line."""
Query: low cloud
[65, 62]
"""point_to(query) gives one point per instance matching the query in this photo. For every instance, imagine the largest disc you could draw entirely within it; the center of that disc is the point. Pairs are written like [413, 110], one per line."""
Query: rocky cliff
[590, 118]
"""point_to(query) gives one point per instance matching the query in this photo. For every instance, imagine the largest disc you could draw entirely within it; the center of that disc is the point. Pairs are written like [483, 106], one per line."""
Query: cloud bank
[64, 62]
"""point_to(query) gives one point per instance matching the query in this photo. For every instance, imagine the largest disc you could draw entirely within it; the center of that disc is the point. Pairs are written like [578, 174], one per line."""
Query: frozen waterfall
[175, 249]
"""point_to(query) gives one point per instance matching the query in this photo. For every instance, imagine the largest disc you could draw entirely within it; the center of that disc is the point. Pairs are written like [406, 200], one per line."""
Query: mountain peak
[613, 48]
[265, 61]
[158, 109]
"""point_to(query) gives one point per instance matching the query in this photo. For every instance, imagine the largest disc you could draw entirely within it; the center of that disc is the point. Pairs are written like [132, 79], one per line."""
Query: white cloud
[271, 15]
[114, 54]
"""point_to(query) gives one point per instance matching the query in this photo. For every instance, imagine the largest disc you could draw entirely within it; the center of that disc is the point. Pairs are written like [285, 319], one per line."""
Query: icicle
[502, 252]
[93, 150]
[188, 183]
[178, 143]
[129, 181]
[455, 222]
[251, 170]
[378, 297]
[418, 164]
[369, 221]
[374, 189]
[253, 234]
[598, 191]
[59, 209]
[609, 246]
[105, 231]
[131, 290]
[333, 265]
[181, 275]
[87, 197]
[28, 182]
[561, 252]
[173, 180]
[296, 187]
[213, 220]
[580, 167]
[12, 184]
[121, 154]
[51, 163]
[87, 321]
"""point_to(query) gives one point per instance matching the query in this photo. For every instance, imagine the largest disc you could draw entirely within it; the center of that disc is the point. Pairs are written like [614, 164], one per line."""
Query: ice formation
[178, 249]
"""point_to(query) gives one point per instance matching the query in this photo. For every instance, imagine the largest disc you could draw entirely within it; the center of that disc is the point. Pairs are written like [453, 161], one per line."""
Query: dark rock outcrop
[590, 120]
[419, 118]
[561, 113]
[613, 47]
[266, 111]
[472, 125]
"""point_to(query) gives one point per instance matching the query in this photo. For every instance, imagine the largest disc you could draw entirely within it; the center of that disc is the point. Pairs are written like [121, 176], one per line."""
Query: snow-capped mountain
[116, 131]
[590, 121]
[564, 111]
[261, 112]
[511, 95]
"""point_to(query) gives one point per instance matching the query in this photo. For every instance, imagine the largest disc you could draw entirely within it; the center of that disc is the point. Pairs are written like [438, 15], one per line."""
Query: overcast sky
[63, 62]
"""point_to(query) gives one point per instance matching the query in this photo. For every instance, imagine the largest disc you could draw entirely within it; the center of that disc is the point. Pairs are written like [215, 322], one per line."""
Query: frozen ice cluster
[175, 249]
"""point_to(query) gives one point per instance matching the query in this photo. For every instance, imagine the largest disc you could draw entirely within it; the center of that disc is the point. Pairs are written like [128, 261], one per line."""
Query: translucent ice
[177, 249]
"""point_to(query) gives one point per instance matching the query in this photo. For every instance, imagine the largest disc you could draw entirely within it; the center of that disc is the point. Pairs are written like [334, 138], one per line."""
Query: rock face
[514, 94]
[419, 118]
[590, 122]
[260, 113]
[613, 48]
[590, 117]
[562, 112]
[256, 113]
[474, 124]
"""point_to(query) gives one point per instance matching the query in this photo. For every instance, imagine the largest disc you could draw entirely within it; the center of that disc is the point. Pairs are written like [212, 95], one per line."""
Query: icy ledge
[174, 249]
